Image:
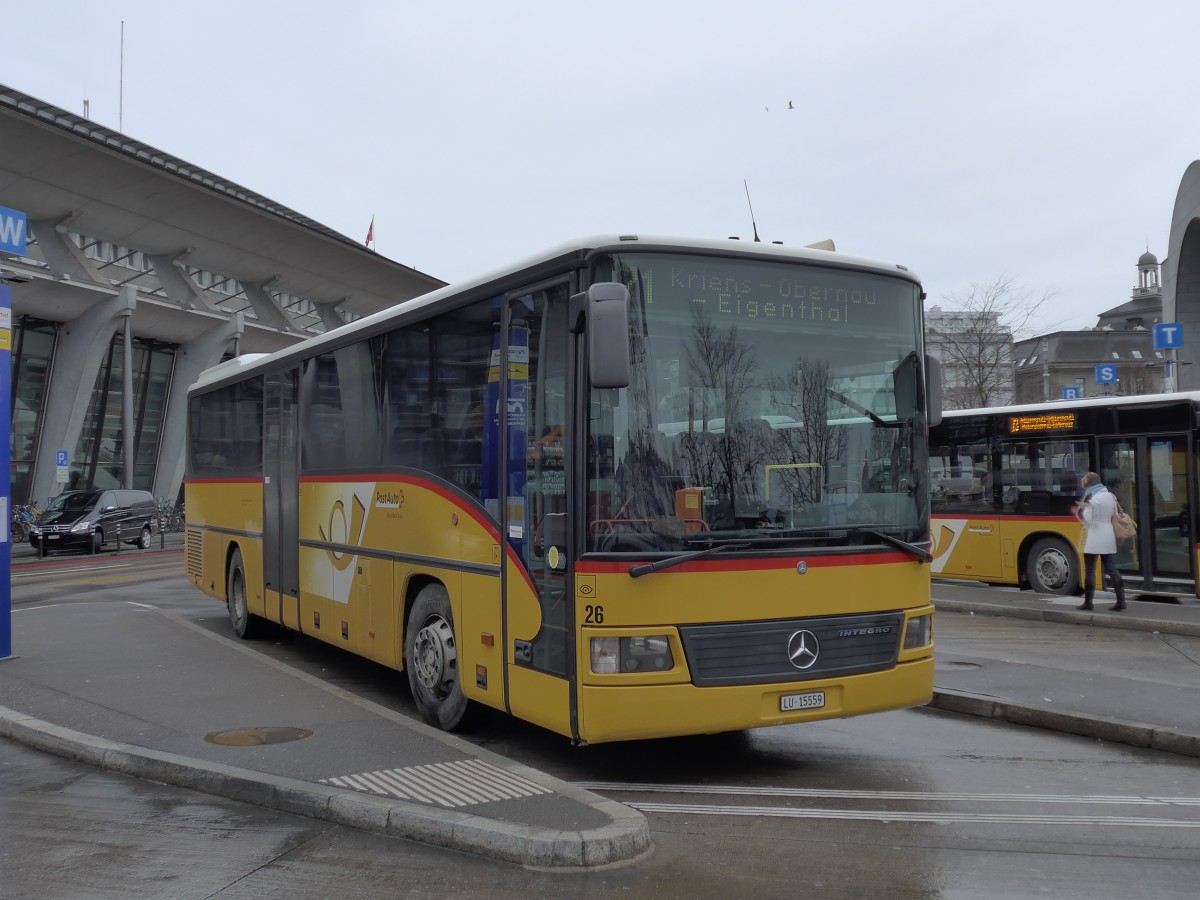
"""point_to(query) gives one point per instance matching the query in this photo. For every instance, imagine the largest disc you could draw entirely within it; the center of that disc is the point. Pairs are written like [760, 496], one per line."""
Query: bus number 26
[593, 615]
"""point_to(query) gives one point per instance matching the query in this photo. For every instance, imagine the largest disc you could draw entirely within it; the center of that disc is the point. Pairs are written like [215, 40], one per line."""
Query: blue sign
[13, 231]
[60, 458]
[1072, 393]
[1107, 374]
[1168, 336]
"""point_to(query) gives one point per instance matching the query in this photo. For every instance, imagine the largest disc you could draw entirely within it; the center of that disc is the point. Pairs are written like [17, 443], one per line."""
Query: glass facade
[32, 357]
[98, 460]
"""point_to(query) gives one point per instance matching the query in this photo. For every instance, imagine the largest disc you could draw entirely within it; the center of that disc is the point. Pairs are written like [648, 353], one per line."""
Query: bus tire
[431, 658]
[1053, 567]
[245, 625]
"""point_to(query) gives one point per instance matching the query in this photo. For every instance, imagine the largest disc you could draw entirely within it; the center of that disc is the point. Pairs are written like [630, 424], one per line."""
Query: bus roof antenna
[753, 225]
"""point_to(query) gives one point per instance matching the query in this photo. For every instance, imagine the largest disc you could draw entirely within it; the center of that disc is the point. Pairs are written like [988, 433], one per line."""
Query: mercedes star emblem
[803, 648]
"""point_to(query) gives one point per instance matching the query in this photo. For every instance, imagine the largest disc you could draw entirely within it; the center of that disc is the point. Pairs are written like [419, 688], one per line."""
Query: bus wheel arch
[1051, 566]
[431, 658]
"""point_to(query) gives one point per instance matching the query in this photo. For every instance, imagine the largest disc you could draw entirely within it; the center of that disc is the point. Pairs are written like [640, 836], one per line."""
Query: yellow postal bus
[1003, 482]
[633, 487]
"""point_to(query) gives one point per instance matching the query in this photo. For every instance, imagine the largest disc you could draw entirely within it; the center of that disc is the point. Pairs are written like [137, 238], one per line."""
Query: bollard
[162, 532]
[118, 538]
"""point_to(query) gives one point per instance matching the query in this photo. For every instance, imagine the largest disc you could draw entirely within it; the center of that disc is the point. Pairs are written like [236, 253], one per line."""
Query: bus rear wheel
[245, 625]
[1053, 567]
[431, 657]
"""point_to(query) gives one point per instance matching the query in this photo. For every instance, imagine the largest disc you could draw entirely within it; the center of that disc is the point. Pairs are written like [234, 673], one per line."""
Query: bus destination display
[1041, 423]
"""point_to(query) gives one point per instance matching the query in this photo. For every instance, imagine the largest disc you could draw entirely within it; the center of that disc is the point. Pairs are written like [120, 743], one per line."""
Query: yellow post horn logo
[351, 532]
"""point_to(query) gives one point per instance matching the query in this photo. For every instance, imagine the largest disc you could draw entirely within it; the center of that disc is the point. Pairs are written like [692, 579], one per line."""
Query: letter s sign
[1106, 374]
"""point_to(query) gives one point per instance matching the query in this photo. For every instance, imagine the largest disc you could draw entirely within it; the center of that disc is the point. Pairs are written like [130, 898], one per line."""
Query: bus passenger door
[281, 538]
[1150, 476]
[534, 524]
[1170, 542]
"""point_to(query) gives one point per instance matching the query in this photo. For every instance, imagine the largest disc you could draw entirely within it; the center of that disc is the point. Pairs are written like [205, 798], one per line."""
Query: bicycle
[24, 516]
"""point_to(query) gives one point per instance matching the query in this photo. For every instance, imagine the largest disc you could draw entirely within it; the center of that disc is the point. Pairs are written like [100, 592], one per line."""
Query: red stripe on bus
[195, 480]
[989, 519]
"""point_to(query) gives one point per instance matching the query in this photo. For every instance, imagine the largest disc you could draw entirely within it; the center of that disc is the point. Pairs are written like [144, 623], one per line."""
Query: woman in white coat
[1095, 511]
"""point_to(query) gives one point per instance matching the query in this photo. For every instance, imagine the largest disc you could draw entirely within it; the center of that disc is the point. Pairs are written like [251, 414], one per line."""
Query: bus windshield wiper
[876, 531]
[670, 563]
[859, 408]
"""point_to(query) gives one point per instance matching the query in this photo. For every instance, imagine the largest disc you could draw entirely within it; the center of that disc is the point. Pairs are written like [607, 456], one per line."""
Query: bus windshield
[768, 399]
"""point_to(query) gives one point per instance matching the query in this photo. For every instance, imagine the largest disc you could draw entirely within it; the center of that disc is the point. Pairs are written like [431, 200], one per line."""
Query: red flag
[370, 234]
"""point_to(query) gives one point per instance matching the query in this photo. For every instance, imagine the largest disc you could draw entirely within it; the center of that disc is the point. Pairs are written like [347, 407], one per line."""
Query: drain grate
[455, 784]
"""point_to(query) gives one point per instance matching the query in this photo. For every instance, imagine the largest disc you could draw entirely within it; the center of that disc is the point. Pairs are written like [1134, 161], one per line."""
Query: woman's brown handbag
[1123, 525]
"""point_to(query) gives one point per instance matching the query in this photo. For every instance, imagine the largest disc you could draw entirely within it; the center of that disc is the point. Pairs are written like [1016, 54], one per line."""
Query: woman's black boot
[1119, 588]
[1088, 594]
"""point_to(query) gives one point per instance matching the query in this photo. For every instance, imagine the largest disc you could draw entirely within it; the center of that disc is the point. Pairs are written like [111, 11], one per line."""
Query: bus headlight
[919, 632]
[612, 655]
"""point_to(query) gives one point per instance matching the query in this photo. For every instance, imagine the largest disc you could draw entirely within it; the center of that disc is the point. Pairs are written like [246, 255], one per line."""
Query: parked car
[91, 520]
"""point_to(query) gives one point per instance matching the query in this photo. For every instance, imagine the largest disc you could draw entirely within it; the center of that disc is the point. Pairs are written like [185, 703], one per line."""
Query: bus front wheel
[245, 625]
[431, 657]
[1053, 567]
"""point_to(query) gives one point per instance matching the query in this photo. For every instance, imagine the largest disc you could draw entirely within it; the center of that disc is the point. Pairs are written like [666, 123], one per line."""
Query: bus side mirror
[607, 307]
[905, 382]
[933, 389]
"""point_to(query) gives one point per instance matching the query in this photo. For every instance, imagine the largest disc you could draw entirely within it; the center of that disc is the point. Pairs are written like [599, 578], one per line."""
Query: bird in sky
[790, 105]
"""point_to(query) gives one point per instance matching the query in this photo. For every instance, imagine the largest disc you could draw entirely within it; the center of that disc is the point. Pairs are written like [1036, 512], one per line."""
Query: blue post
[5, 471]
[13, 235]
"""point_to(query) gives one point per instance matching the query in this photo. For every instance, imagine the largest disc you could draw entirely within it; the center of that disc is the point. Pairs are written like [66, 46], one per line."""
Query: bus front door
[534, 519]
[1150, 476]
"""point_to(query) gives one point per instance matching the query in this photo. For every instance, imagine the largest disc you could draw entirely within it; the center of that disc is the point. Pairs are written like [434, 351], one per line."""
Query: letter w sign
[12, 231]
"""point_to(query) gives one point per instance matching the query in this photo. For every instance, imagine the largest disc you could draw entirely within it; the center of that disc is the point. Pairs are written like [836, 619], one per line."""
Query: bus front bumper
[671, 710]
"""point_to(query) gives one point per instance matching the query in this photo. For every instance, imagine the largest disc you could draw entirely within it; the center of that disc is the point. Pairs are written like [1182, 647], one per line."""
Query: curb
[1071, 617]
[1151, 737]
[625, 840]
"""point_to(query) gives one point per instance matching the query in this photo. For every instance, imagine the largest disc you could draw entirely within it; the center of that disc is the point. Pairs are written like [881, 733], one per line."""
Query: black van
[90, 520]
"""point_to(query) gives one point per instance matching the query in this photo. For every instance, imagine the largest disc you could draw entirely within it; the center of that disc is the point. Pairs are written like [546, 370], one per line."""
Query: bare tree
[974, 340]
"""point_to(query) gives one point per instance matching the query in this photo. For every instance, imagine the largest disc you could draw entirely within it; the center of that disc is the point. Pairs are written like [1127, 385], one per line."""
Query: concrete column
[127, 431]
[191, 359]
[1181, 278]
[180, 288]
[330, 317]
[269, 312]
[65, 260]
[82, 343]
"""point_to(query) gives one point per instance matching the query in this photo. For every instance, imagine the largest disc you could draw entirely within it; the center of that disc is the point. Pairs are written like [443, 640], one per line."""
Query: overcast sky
[1044, 140]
